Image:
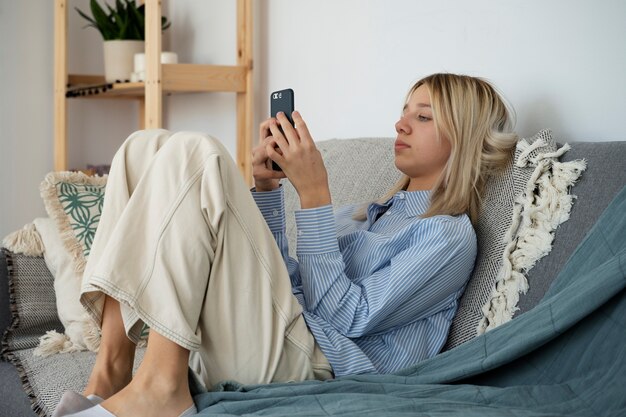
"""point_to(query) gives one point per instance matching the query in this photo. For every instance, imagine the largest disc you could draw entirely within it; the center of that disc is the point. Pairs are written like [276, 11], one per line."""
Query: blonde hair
[478, 123]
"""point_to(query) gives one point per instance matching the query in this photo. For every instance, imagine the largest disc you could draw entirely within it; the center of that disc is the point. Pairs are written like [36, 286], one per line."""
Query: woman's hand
[265, 178]
[296, 153]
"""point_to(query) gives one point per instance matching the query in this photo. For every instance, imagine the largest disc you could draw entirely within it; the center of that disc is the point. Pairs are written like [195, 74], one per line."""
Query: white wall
[25, 108]
[561, 63]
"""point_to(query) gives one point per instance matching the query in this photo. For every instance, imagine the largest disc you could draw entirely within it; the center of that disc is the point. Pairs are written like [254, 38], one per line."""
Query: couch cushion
[14, 400]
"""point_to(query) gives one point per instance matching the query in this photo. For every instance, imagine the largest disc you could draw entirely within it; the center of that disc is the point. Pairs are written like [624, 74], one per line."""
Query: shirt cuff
[316, 231]
[272, 207]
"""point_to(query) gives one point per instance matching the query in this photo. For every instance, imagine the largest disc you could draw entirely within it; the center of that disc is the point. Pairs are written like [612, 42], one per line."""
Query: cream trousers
[183, 247]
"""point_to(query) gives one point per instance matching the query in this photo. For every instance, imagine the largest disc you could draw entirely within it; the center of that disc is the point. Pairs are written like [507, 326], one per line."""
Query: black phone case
[282, 100]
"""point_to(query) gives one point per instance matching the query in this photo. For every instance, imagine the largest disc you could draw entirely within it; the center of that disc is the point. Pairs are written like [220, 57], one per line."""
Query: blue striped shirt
[378, 295]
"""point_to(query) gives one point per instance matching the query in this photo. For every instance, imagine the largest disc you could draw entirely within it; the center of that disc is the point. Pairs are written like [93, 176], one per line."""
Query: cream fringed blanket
[538, 211]
[520, 210]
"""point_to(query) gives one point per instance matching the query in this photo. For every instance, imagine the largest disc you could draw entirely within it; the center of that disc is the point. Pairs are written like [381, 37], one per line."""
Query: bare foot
[160, 387]
[155, 397]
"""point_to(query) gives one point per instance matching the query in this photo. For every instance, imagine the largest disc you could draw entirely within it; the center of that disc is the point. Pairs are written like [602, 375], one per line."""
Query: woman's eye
[422, 118]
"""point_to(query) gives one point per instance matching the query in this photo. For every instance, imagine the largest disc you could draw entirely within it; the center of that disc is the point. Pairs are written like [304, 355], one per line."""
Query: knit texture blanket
[565, 357]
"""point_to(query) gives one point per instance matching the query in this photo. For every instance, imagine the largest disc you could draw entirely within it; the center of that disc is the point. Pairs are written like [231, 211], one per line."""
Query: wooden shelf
[160, 79]
[176, 78]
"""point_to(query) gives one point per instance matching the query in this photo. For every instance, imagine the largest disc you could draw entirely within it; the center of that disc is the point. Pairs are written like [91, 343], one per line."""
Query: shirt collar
[415, 203]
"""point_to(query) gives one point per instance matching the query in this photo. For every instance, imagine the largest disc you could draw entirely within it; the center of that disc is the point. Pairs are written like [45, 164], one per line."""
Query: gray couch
[604, 177]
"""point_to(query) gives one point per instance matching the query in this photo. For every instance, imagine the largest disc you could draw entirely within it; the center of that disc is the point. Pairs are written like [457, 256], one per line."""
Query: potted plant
[123, 30]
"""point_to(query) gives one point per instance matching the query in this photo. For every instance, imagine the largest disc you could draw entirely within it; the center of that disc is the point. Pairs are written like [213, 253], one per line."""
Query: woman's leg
[130, 163]
[160, 387]
[114, 362]
[191, 256]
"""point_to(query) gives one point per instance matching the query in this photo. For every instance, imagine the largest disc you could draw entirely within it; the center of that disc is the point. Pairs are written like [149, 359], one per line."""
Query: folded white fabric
[99, 411]
[73, 402]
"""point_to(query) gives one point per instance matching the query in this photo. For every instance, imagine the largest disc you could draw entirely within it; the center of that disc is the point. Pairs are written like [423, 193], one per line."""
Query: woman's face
[420, 154]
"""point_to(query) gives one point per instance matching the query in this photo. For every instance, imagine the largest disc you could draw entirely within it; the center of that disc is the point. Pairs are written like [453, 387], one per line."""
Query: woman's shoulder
[456, 228]
[460, 220]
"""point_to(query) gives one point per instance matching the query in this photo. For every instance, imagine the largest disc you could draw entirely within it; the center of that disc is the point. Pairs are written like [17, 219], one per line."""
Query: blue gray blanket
[565, 357]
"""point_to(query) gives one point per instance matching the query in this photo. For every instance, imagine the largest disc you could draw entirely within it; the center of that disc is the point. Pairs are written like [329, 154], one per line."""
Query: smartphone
[282, 100]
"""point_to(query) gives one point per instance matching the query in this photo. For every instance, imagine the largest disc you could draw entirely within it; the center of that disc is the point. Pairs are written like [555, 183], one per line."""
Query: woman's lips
[399, 145]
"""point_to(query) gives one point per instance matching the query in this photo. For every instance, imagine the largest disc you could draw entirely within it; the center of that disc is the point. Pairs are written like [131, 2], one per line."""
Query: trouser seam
[166, 221]
[262, 261]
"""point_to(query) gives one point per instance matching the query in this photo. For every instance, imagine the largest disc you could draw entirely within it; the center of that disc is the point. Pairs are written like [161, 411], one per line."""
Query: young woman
[184, 247]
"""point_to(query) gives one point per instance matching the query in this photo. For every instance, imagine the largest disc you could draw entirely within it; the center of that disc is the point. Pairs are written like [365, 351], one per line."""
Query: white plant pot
[119, 59]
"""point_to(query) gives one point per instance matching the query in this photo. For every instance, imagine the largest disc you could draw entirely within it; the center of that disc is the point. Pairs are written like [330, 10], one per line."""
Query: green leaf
[138, 22]
[93, 22]
[124, 21]
[164, 23]
[101, 18]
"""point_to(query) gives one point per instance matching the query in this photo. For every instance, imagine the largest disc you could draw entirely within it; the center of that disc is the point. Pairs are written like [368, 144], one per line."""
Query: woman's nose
[403, 127]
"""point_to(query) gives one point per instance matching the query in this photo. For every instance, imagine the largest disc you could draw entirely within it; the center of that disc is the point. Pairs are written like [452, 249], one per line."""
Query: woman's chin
[401, 167]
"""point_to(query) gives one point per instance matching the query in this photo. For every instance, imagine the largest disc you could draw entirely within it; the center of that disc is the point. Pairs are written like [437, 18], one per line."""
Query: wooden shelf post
[153, 84]
[60, 85]
[245, 100]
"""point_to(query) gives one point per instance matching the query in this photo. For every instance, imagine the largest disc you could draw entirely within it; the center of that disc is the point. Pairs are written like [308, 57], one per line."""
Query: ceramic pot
[119, 59]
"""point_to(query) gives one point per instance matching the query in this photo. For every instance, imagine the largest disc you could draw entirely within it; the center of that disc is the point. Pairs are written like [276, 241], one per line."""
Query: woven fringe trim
[48, 189]
[26, 241]
[36, 404]
[537, 213]
[53, 342]
[15, 319]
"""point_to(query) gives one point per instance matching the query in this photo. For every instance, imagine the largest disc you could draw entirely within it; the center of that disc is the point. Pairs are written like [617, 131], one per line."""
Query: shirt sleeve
[417, 282]
[272, 207]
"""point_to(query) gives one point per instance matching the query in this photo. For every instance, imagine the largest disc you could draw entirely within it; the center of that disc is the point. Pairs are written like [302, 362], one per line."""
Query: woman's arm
[294, 150]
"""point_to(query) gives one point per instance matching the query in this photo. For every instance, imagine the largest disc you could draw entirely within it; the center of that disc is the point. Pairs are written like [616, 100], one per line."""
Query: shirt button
[275, 212]
[300, 232]
[401, 196]
[388, 213]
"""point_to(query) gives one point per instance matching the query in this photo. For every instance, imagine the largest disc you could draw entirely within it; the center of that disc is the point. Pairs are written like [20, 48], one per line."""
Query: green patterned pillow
[74, 201]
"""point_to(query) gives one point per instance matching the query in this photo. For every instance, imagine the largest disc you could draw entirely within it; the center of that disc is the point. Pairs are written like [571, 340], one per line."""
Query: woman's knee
[194, 144]
[143, 144]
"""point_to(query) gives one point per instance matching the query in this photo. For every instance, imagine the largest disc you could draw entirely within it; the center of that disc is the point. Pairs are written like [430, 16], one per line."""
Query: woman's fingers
[301, 128]
[278, 136]
[264, 130]
[290, 133]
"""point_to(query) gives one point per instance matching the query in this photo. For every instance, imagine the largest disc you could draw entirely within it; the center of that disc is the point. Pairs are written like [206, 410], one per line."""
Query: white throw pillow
[80, 330]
